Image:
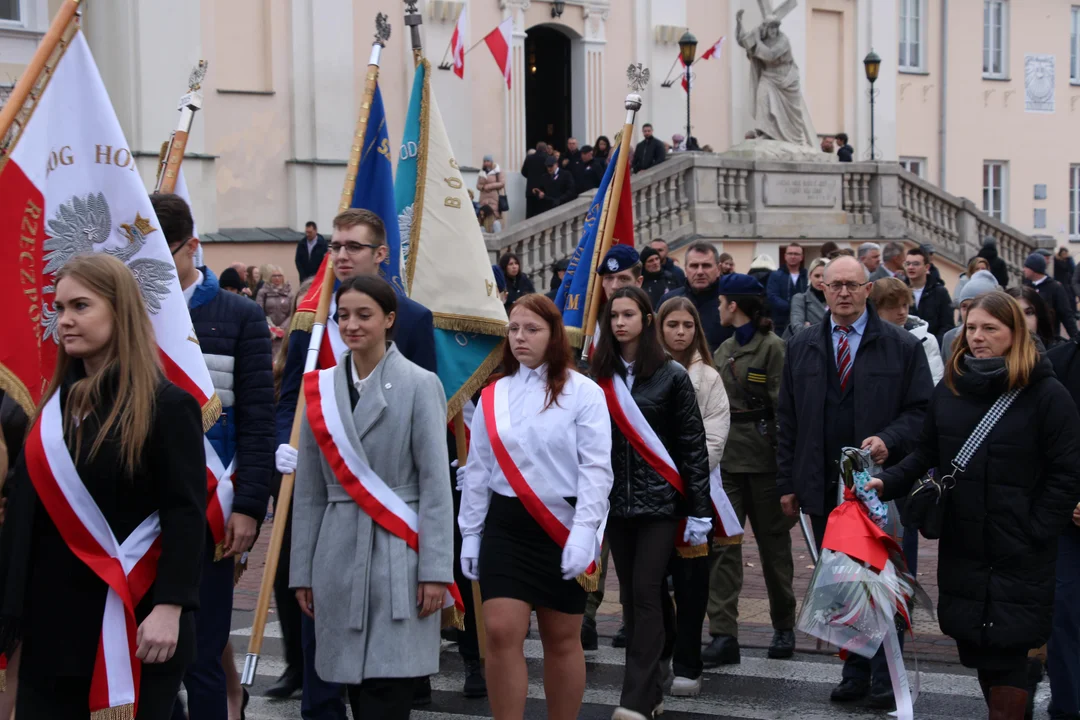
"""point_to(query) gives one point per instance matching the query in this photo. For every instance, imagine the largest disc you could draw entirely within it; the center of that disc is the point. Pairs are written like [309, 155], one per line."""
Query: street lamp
[557, 8]
[872, 63]
[687, 50]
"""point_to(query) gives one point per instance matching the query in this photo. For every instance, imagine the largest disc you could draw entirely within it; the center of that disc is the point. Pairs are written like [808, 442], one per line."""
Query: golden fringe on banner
[693, 551]
[14, 387]
[3, 680]
[421, 175]
[219, 551]
[211, 412]
[736, 540]
[590, 581]
[576, 337]
[452, 617]
[302, 320]
[469, 324]
[466, 391]
[120, 712]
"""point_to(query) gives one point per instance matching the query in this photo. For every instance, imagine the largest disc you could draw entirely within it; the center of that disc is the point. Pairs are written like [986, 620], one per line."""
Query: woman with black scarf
[517, 282]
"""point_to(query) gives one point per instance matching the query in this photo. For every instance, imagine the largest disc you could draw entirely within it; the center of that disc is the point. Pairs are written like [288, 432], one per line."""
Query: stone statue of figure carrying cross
[780, 113]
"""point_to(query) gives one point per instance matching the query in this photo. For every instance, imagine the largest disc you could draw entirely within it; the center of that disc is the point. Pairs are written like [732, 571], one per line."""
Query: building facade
[984, 115]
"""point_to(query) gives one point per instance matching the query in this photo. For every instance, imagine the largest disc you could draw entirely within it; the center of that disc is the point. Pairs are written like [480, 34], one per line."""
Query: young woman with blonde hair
[113, 467]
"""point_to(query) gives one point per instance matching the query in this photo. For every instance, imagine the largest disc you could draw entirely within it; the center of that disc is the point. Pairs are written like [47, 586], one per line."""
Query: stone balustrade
[710, 197]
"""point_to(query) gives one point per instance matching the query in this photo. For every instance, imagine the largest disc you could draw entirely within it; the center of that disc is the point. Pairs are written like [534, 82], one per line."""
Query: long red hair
[558, 354]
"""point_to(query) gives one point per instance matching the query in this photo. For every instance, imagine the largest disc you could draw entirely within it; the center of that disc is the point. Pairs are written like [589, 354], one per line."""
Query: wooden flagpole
[29, 78]
[190, 103]
[639, 77]
[478, 602]
[281, 510]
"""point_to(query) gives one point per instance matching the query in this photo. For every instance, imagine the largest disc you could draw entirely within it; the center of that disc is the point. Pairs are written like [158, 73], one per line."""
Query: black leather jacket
[668, 402]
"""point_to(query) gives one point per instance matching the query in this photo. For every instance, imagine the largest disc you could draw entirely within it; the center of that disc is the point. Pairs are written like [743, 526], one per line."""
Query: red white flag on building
[687, 77]
[714, 51]
[70, 187]
[498, 41]
[457, 43]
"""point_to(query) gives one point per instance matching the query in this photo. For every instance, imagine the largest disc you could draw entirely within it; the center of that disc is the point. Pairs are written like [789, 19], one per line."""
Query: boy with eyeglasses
[932, 301]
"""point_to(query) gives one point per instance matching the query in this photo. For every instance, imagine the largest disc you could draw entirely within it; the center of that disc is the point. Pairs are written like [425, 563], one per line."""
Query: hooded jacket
[997, 266]
[998, 549]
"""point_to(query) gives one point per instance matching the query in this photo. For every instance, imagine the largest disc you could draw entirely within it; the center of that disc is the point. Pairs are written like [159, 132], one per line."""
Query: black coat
[657, 285]
[587, 176]
[1063, 357]
[648, 152]
[533, 170]
[998, 268]
[707, 303]
[307, 265]
[845, 153]
[668, 402]
[59, 599]
[779, 291]
[1057, 299]
[516, 287]
[672, 267]
[558, 189]
[892, 389]
[998, 549]
[936, 308]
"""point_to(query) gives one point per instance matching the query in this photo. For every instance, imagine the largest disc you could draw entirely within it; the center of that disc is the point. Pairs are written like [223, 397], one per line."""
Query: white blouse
[570, 442]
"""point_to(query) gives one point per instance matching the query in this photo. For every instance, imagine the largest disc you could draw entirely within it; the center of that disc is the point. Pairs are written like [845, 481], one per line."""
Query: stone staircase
[705, 196]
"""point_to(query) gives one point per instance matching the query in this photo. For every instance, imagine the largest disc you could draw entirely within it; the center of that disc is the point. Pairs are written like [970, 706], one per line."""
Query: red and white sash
[637, 431]
[550, 510]
[370, 492]
[128, 568]
[333, 346]
[219, 495]
[728, 526]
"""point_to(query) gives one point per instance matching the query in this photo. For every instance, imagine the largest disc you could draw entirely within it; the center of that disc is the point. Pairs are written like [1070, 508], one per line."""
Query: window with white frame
[914, 165]
[995, 186]
[1074, 47]
[1074, 202]
[995, 38]
[11, 11]
[912, 42]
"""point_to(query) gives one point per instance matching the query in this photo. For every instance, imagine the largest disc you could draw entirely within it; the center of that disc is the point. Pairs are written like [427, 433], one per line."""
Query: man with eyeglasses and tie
[357, 247]
[852, 381]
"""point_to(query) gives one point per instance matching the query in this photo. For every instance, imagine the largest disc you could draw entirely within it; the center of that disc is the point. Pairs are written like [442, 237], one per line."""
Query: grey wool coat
[363, 579]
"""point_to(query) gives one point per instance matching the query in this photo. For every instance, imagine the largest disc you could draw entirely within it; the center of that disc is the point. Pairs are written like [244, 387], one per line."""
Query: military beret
[618, 258]
[740, 284]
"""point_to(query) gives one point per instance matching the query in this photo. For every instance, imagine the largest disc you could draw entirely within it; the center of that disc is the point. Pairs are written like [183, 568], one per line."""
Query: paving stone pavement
[754, 628]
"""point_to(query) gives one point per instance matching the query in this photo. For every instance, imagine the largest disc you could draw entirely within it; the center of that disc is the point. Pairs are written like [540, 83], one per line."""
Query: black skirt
[519, 560]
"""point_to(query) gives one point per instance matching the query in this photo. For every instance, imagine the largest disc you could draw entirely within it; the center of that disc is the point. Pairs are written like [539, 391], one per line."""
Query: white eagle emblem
[84, 225]
[612, 264]
[405, 223]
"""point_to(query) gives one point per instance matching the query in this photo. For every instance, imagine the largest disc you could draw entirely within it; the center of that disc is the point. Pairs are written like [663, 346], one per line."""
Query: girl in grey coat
[376, 603]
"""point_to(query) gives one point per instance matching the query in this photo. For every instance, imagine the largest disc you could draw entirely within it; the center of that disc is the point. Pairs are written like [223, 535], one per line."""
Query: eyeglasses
[529, 330]
[351, 248]
[851, 287]
[916, 264]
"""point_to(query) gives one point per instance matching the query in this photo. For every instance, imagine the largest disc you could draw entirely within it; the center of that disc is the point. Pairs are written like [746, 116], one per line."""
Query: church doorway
[548, 89]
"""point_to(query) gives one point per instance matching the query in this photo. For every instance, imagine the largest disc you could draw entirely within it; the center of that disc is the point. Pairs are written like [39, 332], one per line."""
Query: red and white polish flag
[498, 41]
[71, 187]
[457, 42]
[714, 50]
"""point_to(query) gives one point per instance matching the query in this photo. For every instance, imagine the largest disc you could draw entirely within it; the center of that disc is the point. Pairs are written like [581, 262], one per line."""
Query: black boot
[723, 650]
[422, 692]
[290, 682]
[850, 690]
[475, 685]
[783, 645]
[619, 641]
[589, 638]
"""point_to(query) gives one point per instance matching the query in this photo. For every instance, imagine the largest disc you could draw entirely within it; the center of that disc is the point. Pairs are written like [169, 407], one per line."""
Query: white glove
[285, 458]
[697, 530]
[460, 470]
[577, 555]
[470, 557]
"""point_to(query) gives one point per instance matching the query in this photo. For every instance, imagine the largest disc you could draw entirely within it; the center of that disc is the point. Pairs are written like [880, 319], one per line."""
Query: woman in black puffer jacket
[647, 510]
[996, 566]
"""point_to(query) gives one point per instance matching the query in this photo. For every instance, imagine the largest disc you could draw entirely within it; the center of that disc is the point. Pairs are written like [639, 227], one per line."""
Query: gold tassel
[474, 383]
[468, 324]
[302, 320]
[3, 680]
[219, 551]
[211, 412]
[576, 337]
[590, 581]
[693, 551]
[120, 712]
[452, 617]
[735, 540]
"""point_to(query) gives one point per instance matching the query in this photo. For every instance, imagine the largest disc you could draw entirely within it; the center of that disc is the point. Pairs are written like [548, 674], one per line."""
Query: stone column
[324, 106]
[514, 112]
[594, 42]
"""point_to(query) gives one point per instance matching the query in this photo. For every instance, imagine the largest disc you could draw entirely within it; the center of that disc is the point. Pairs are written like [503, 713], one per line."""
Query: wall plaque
[795, 190]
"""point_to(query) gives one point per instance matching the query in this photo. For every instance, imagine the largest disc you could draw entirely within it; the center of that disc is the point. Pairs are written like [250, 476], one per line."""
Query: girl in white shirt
[534, 500]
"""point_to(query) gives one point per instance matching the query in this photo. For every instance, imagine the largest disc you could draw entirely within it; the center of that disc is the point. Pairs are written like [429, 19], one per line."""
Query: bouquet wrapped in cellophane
[861, 584]
[862, 594]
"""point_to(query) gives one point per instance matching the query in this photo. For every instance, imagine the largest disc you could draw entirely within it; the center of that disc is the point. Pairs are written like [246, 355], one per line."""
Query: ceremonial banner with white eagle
[447, 266]
[70, 187]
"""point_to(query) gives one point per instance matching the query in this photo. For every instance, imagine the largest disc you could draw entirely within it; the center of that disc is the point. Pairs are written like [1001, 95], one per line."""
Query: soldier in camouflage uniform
[750, 364]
